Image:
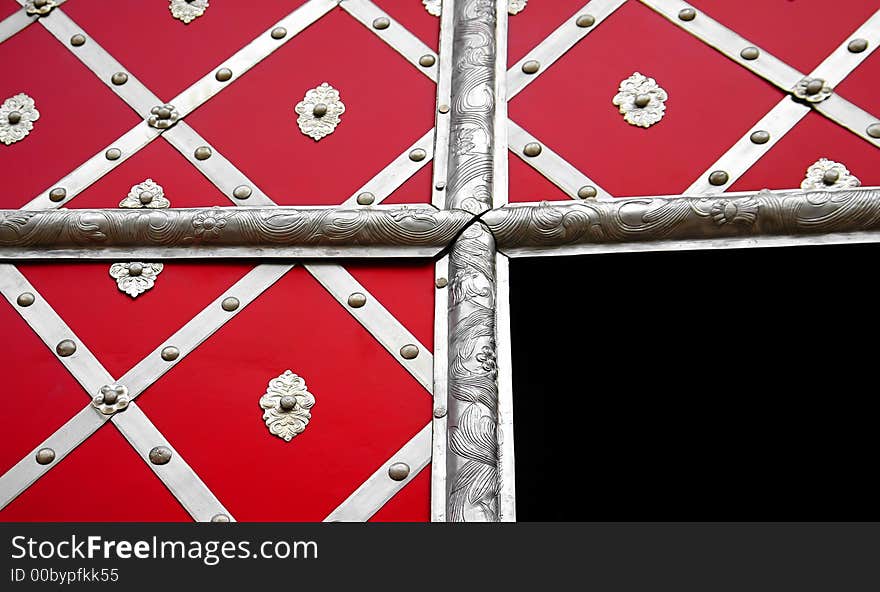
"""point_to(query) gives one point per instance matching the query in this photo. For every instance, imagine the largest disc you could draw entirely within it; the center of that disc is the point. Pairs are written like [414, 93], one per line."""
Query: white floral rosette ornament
[187, 10]
[148, 194]
[287, 404]
[828, 174]
[135, 278]
[641, 100]
[17, 117]
[319, 111]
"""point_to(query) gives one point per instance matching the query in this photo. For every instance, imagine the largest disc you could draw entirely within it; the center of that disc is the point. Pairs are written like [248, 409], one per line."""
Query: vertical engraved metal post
[475, 181]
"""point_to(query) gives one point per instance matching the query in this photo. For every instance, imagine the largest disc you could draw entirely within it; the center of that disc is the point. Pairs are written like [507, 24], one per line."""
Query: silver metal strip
[727, 42]
[376, 319]
[394, 34]
[742, 155]
[442, 107]
[95, 167]
[180, 479]
[841, 61]
[506, 464]
[556, 169]
[844, 113]
[558, 42]
[380, 487]
[251, 54]
[96, 59]
[219, 252]
[14, 23]
[441, 371]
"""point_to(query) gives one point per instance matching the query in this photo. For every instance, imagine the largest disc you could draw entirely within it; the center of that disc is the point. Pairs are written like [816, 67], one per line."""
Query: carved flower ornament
[40, 7]
[207, 224]
[148, 194]
[640, 100]
[17, 117]
[319, 111]
[513, 6]
[287, 404]
[135, 278]
[111, 398]
[828, 174]
[187, 10]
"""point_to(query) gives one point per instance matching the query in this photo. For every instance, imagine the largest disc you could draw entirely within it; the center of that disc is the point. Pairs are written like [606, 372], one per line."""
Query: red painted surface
[8, 7]
[415, 19]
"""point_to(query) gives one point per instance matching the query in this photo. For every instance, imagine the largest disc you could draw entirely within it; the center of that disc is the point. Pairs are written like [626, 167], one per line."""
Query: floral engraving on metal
[41, 7]
[287, 404]
[17, 117]
[148, 194]
[163, 116]
[208, 224]
[641, 100]
[828, 174]
[111, 398]
[319, 111]
[513, 6]
[812, 90]
[187, 10]
[728, 211]
[135, 278]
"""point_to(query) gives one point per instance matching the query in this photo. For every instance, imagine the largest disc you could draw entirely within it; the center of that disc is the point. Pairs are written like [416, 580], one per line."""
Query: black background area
[700, 385]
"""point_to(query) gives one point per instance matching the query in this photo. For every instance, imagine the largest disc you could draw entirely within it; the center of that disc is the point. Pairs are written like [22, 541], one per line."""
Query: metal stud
[319, 110]
[441, 282]
[242, 192]
[113, 154]
[718, 178]
[830, 177]
[427, 60]
[750, 53]
[119, 78]
[398, 471]
[814, 86]
[760, 137]
[531, 67]
[278, 33]
[857, 45]
[65, 348]
[687, 14]
[45, 456]
[873, 130]
[223, 74]
[78, 40]
[440, 186]
[585, 20]
[532, 149]
[409, 351]
[643, 100]
[58, 194]
[202, 153]
[587, 192]
[14, 117]
[229, 304]
[220, 518]
[381, 23]
[443, 108]
[25, 299]
[357, 300]
[160, 455]
[366, 198]
[440, 412]
[170, 353]
[417, 155]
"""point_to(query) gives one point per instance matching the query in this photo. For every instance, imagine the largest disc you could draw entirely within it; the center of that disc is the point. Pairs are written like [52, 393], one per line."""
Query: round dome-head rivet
[135, 269]
[229, 304]
[441, 282]
[815, 86]
[113, 154]
[687, 14]
[287, 403]
[643, 100]
[223, 74]
[279, 33]
[45, 456]
[25, 299]
[220, 518]
[409, 351]
[119, 78]
[145, 197]
[65, 348]
[160, 455]
[585, 20]
[750, 53]
[587, 192]
[202, 153]
[163, 113]
[398, 471]
[381, 23]
[357, 300]
[440, 186]
[439, 412]
[170, 353]
[78, 40]
[873, 130]
[427, 61]
[532, 149]
[366, 198]
[443, 108]
[718, 178]
[319, 110]
[242, 192]
[857, 45]
[58, 194]
[531, 67]
[14, 117]
[760, 137]
[417, 155]
[830, 177]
